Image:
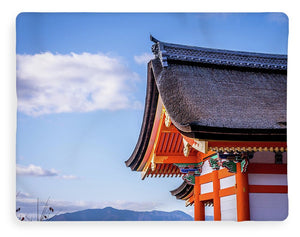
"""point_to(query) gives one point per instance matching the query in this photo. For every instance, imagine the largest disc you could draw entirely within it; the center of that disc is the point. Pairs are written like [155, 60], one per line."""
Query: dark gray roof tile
[167, 52]
[218, 97]
[215, 94]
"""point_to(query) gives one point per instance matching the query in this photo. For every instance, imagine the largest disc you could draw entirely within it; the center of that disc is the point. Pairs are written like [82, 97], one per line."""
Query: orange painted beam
[242, 195]
[169, 169]
[227, 191]
[206, 196]
[257, 168]
[159, 170]
[179, 144]
[206, 178]
[216, 195]
[160, 142]
[171, 129]
[197, 199]
[176, 140]
[199, 211]
[223, 173]
[204, 156]
[175, 159]
[164, 148]
[268, 188]
[191, 199]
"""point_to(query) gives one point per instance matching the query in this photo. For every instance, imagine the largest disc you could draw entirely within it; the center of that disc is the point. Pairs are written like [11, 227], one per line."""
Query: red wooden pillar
[199, 211]
[242, 195]
[216, 197]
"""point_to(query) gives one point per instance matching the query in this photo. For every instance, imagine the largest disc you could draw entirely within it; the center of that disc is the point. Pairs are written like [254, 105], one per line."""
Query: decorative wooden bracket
[186, 148]
[190, 170]
[199, 145]
[167, 119]
[229, 160]
[189, 178]
[244, 165]
[195, 168]
[230, 165]
[215, 162]
[153, 165]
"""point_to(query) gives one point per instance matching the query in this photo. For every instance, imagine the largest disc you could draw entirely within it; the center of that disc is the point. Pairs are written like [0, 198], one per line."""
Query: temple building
[217, 118]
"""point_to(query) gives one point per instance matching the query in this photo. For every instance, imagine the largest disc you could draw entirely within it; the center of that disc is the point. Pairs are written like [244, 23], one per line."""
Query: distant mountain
[112, 214]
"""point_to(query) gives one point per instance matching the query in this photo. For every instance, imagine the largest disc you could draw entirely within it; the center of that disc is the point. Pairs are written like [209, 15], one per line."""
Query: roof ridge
[176, 52]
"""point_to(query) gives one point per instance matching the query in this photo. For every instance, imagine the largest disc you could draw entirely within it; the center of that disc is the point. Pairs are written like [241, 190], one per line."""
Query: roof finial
[153, 39]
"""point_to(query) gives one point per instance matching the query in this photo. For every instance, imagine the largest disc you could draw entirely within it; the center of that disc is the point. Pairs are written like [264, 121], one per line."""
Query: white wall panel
[268, 206]
[228, 208]
[206, 168]
[267, 179]
[206, 188]
[227, 182]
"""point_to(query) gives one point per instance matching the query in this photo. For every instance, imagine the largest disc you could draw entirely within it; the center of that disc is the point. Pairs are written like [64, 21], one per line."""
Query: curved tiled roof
[219, 100]
[212, 97]
[182, 191]
[215, 94]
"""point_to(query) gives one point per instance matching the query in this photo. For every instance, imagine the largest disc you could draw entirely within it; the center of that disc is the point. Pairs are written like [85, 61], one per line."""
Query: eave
[148, 121]
[233, 134]
[183, 192]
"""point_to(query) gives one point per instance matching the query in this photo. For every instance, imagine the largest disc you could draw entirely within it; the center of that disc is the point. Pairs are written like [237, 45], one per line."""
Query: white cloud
[37, 171]
[21, 194]
[55, 83]
[32, 170]
[143, 58]
[68, 177]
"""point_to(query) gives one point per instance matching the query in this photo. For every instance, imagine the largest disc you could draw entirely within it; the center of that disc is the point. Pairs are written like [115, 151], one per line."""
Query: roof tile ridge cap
[159, 51]
[162, 54]
[250, 59]
[227, 51]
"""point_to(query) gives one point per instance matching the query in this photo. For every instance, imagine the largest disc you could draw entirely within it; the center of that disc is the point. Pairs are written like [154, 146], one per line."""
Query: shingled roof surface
[215, 94]
[222, 91]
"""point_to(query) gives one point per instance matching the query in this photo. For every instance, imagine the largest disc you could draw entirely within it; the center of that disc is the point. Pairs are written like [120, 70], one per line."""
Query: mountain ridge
[112, 214]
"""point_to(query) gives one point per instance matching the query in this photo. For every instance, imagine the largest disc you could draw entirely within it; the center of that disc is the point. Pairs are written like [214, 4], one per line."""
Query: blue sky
[81, 81]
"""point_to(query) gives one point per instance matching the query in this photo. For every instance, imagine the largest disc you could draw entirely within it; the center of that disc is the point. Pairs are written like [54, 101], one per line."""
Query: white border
[11, 227]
